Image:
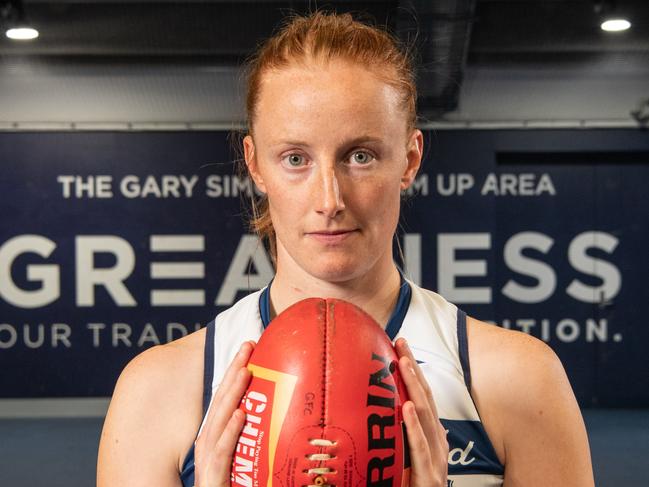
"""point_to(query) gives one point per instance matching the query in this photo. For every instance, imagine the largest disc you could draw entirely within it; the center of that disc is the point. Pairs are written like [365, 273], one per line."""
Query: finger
[213, 469]
[403, 349]
[231, 389]
[224, 449]
[227, 404]
[417, 385]
[420, 454]
[420, 400]
[239, 360]
[433, 428]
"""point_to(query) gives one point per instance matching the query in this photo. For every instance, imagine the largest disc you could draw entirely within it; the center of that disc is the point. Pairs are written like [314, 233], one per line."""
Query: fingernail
[413, 409]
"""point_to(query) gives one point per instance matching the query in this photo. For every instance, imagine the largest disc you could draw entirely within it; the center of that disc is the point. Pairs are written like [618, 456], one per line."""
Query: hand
[426, 435]
[215, 445]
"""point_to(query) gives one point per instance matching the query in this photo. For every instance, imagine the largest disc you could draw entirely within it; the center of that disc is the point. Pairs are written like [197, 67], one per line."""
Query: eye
[294, 160]
[361, 157]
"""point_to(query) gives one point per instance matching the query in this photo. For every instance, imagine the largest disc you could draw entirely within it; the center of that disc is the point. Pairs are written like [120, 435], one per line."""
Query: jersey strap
[463, 348]
[209, 366]
[187, 472]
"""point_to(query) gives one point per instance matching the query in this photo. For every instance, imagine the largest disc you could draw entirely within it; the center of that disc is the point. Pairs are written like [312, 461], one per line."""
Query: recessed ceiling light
[22, 33]
[615, 25]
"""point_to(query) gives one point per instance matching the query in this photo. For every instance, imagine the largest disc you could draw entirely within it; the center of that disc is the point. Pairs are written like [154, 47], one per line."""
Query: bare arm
[138, 444]
[523, 393]
[144, 439]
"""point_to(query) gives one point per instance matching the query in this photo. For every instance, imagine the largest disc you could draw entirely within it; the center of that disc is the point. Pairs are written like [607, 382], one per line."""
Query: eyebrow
[358, 140]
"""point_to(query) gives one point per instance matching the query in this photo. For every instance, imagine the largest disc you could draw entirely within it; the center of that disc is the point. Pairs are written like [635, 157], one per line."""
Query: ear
[414, 153]
[250, 154]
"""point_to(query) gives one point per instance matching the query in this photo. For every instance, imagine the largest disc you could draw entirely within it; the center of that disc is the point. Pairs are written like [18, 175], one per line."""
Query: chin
[336, 270]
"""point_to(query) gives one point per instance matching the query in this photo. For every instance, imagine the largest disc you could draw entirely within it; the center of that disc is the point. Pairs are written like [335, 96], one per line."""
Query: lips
[331, 236]
[330, 232]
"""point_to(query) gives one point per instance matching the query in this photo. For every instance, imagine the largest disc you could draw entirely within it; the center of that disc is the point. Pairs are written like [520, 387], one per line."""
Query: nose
[329, 200]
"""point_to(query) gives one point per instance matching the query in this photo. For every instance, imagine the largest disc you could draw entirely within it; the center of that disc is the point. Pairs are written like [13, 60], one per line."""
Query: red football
[324, 403]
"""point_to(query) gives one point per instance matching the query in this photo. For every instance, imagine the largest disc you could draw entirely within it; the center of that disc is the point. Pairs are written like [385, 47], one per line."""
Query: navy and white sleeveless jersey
[436, 333]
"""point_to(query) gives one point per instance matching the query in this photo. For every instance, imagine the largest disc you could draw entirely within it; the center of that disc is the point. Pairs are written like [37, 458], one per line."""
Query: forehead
[334, 96]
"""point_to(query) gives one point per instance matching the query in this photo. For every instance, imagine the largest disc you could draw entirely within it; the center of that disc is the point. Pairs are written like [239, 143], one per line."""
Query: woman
[332, 144]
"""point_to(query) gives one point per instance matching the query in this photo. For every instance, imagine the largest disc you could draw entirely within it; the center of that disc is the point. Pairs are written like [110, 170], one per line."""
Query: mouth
[331, 232]
[332, 236]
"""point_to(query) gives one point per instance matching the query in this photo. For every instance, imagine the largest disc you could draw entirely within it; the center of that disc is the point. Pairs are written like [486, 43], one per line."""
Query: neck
[376, 291]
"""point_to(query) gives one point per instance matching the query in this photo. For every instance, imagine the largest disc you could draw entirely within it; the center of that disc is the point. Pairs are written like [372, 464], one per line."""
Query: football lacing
[320, 481]
[321, 442]
[319, 456]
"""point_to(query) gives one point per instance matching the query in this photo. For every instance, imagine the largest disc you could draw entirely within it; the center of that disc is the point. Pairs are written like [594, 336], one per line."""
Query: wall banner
[113, 242]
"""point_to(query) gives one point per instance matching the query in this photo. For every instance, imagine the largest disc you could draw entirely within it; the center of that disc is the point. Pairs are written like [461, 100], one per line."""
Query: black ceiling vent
[441, 32]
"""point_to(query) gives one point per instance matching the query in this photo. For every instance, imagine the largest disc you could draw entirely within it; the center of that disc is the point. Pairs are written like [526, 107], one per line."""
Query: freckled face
[330, 149]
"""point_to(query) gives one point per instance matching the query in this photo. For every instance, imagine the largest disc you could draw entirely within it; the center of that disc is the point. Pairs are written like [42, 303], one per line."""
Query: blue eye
[362, 157]
[295, 160]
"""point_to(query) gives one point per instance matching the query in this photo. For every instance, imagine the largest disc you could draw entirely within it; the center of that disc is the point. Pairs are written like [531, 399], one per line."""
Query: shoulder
[520, 355]
[161, 360]
[507, 363]
[528, 407]
[154, 414]
[163, 369]
[510, 372]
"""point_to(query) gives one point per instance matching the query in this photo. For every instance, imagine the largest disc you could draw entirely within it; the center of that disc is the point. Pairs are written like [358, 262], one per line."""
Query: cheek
[380, 201]
[282, 207]
[285, 203]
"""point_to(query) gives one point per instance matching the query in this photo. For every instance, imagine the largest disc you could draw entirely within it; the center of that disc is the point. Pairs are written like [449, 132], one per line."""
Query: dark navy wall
[543, 231]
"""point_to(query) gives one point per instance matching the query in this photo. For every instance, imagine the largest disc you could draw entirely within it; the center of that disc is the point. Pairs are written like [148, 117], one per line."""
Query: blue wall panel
[544, 231]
